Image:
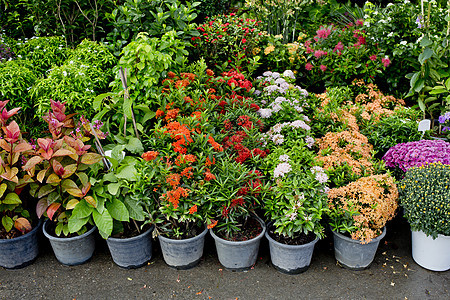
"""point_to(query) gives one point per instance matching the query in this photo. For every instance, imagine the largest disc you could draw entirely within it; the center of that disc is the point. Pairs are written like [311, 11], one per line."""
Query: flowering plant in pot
[424, 197]
[181, 161]
[58, 168]
[358, 215]
[18, 239]
[295, 206]
[404, 156]
[233, 197]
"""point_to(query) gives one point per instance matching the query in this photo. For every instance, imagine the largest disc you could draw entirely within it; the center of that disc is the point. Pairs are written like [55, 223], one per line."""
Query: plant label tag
[424, 125]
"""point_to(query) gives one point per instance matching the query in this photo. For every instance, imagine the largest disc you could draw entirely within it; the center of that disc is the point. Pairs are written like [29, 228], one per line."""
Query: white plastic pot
[432, 254]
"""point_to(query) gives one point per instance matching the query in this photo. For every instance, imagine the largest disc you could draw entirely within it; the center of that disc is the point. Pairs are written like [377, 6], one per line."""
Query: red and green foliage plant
[15, 219]
[228, 40]
[59, 171]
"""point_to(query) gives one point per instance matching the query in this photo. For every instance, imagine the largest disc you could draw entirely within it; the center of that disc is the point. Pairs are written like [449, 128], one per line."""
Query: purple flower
[412, 154]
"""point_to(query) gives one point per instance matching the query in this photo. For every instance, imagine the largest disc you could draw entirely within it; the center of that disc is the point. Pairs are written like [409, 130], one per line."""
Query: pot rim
[256, 238]
[374, 240]
[62, 239]
[443, 236]
[182, 241]
[23, 236]
[271, 240]
[126, 240]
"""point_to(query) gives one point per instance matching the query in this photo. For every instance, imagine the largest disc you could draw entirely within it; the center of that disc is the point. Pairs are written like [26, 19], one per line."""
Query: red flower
[150, 155]
[193, 209]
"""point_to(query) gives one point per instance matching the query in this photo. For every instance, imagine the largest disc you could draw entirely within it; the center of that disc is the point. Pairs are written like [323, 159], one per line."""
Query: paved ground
[393, 275]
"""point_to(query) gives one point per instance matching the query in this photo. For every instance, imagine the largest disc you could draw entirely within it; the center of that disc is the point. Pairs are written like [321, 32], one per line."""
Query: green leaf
[421, 105]
[96, 104]
[113, 188]
[118, 210]
[127, 106]
[438, 91]
[12, 198]
[419, 85]
[103, 221]
[82, 210]
[134, 209]
[426, 54]
[45, 190]
[126, 172]
[3, 187]
[135, 146]
[7, 223]
[76, 224]
[425, 42]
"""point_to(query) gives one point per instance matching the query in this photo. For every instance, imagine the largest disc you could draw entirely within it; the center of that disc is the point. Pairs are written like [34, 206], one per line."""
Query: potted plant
[128, 239]
[358, 215]
[295, 207]
[58, 169]
[172, 182]
[424, 197]
[233, 223]
[18, 232]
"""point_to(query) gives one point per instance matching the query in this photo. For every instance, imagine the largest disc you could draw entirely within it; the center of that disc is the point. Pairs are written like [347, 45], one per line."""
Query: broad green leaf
[135, 146]
[76, 224]
[419, 85]
[425, 42]
[82, 210]
[426, 54]
[127, 172]
[7, 223]
[113, 188]
[134, 209]
[421, 105]
[117, 210]
[103, 221]
[12, 198]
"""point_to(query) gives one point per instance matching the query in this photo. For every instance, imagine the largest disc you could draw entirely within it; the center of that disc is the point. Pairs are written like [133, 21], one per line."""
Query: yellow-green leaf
[53, 178]
[71, 204]
[12, 198]
[91, 201]
[72, 188]
[3, 187]
[91, 158]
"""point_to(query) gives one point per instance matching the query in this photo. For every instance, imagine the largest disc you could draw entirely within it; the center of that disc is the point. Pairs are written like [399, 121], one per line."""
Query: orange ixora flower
[159, 113]
[209, 162]
[212, 224]
[208, 175]
[173, 180]
[150, 155]
[215, 145]
[189, 76]
[193, 209]
[187, 172]
[209, 72]
[174, 196]
[172, 114]
[171, 74]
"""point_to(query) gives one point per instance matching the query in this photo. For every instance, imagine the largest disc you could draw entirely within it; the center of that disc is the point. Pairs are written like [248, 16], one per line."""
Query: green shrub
[74, 82]
[94, 54]
[154, 17]
[43, 52]
[16, 79]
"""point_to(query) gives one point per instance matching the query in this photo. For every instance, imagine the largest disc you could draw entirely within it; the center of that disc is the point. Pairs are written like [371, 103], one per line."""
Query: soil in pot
[300, 239]
[129, 230]
[13, 233]
[188, 231]
[250, 229]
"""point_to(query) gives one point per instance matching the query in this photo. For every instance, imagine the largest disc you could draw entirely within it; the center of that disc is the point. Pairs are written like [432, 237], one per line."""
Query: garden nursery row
[289, 120]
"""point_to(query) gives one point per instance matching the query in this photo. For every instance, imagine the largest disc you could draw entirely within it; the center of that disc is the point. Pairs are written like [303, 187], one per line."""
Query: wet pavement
[392, 275]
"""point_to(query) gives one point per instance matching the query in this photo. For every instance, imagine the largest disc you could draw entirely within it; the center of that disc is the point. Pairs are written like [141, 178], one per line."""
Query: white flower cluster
[274, 133]
[282, 169]
[319, 173]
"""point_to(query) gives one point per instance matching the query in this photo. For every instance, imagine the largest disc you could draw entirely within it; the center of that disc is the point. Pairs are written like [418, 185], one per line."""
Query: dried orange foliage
[374, 103]
[349, 147]
[375, 199]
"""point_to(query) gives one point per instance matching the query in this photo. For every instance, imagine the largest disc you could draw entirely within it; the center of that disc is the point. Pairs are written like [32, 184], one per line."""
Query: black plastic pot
[131, 252]
[21, 251]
